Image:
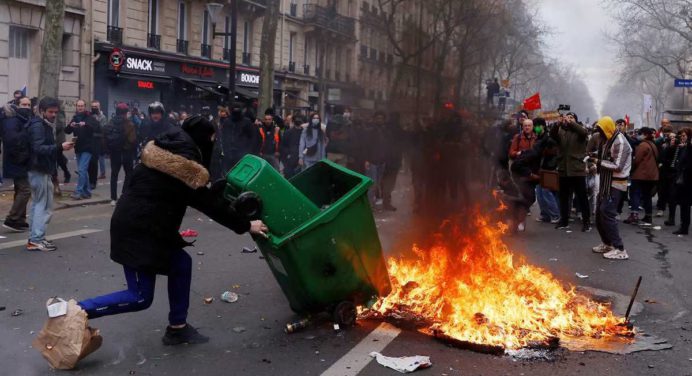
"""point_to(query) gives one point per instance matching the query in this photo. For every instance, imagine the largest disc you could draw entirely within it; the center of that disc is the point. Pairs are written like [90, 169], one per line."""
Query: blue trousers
[140, 292]
[83, 189]
[548, 203]
[606, 224]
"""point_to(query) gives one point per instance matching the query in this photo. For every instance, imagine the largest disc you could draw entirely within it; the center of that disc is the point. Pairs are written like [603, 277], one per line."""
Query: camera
[564, 107]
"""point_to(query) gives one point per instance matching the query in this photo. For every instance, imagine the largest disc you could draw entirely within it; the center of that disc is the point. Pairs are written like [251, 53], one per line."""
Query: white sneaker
[616, 254]
[113, 202]
[602, 248]
[521, 227]
[659, 213]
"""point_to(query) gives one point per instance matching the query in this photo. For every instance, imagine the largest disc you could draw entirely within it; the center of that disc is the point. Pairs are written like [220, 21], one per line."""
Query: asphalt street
[247, 337]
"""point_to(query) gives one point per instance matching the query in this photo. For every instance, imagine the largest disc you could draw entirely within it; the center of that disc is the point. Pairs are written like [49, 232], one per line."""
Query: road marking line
[355, 360]
[63, 235]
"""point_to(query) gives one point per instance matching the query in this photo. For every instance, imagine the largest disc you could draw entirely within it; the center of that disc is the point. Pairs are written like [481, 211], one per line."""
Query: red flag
[533, 102]
[627, 121]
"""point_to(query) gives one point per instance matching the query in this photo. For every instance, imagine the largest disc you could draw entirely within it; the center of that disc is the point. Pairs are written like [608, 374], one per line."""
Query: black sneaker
[646, 221]
[15, 226]
[562, 226]
[187, 334]
[586, 227]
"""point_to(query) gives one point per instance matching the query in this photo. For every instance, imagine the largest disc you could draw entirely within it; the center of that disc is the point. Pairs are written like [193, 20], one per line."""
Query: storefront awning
[198, 85]
[247, 92]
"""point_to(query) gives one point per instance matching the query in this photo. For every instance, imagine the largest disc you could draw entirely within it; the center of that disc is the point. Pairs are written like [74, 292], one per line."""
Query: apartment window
[291, 46]
[206, 28]
[182, 21]
[67, 50]
[247, 34]
[113, 12]
[305, 52]
[19, 42]
[227, 37]
[153, 16]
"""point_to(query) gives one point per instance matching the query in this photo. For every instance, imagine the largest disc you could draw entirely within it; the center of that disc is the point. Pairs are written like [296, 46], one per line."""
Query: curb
[74, 204]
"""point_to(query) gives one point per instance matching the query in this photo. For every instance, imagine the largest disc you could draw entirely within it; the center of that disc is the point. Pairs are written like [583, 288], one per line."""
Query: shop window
[19, 42]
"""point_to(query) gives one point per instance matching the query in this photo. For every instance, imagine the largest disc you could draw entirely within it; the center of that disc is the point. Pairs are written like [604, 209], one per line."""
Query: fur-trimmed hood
[192, 173]
[9, 111]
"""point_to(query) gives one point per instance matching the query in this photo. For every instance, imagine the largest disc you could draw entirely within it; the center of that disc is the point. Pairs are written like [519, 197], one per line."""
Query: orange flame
[476, 290]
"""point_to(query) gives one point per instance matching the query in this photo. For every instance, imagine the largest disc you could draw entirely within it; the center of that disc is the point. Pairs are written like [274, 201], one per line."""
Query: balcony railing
[227, 54]
[115, 34]
[246, 58]
[328, 18]
[154, 41]
[206, 50]
[181, 46]
[292, 66]
[306, 69]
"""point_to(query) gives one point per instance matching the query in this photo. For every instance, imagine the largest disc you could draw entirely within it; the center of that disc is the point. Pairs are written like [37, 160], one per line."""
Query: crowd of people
[589, 171]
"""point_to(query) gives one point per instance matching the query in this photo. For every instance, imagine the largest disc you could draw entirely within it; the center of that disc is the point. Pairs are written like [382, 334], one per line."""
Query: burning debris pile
[469, 289]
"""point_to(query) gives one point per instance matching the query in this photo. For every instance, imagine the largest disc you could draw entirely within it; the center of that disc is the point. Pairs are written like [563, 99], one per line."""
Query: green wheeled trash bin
[323, 247]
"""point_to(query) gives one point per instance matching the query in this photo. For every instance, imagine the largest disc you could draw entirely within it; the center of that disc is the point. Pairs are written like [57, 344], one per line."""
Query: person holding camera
[572, 138]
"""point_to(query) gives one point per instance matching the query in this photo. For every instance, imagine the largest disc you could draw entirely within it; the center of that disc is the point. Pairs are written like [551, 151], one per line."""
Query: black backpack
[20, 152]
[113, 135]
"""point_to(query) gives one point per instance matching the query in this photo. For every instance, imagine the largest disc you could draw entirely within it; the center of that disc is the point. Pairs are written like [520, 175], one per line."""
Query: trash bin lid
[243, 173]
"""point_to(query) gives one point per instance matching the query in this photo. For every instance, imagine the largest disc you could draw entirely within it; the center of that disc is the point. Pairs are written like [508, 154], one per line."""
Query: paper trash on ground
[404, 364]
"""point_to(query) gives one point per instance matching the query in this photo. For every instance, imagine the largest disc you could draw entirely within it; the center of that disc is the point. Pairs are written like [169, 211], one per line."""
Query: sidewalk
[101, 195]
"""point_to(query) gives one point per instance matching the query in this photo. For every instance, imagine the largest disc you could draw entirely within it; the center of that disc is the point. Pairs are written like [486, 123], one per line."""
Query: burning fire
[471, 288]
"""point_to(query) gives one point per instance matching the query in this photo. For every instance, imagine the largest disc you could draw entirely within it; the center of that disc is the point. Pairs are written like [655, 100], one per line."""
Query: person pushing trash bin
[145, 226]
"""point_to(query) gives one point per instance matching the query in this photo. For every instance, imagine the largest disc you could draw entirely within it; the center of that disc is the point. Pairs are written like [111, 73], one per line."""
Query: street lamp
[214, 10]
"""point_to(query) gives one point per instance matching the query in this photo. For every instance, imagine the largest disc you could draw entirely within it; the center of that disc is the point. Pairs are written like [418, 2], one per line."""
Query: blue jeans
[102, 164]
[140, 292]
[548, 203]
[606, 224]
[83, 189]
[41, 205]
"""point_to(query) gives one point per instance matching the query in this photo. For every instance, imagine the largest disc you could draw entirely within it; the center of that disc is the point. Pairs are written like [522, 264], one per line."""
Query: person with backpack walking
[15, 142]
[42, 166]
[120, 138]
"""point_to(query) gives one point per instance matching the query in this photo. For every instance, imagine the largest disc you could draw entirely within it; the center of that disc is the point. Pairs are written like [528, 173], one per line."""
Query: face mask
[24, 112]
[315, 122]
[95, 110]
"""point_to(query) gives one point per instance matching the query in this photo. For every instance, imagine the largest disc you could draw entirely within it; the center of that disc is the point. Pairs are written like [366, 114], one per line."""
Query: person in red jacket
[644, 177]
[523, 141]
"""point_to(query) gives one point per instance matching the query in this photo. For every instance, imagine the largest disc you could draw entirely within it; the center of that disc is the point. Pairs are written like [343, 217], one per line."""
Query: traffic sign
[683, 83]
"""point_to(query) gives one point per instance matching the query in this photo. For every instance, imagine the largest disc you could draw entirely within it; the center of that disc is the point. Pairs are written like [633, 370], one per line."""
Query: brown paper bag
[65, 340]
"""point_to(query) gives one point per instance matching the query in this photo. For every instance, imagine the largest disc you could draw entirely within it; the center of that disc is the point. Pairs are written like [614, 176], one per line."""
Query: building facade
[21, 34]
[329, 52]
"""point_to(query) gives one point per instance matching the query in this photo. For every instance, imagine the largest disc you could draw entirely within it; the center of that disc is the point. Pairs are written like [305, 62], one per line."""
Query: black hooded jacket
[146, 223]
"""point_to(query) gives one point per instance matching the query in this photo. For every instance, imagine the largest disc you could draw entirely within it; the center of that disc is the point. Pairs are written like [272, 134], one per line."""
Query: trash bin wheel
[344, 313]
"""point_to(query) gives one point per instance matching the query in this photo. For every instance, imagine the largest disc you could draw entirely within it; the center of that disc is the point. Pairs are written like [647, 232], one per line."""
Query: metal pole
[232, 72]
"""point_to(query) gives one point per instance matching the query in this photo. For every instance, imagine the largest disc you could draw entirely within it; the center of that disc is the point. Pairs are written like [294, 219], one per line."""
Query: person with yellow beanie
[614, 164]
